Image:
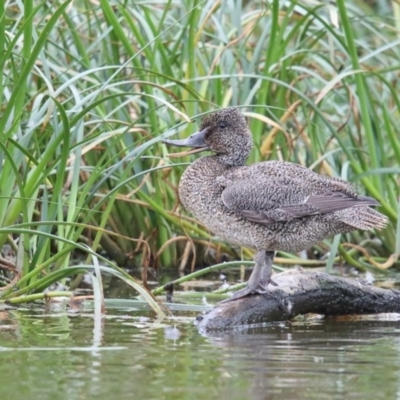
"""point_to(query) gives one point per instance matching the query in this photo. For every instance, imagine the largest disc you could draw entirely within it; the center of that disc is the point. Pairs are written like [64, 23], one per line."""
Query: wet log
[302, 292]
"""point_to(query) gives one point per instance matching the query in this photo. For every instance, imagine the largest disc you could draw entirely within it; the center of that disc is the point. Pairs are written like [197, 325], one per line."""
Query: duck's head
[226, 133]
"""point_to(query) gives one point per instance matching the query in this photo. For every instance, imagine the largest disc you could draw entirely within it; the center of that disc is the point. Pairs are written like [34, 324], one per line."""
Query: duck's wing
[267, 199]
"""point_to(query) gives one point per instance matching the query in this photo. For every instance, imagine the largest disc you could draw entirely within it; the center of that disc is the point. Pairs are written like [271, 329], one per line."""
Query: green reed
[89, 90]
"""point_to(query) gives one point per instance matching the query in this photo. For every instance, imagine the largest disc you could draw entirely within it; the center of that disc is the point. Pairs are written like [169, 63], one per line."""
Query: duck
[268, 206]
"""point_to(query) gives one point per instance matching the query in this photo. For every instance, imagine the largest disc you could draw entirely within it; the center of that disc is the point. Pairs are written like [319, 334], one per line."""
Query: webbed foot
[247, 291]
[259, 279]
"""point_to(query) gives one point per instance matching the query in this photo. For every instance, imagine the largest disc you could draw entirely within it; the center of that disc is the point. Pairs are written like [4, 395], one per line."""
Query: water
[129, 355]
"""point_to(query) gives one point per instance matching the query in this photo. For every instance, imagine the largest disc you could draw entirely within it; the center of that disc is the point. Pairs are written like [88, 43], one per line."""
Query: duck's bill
[188, 152]
[196, 141]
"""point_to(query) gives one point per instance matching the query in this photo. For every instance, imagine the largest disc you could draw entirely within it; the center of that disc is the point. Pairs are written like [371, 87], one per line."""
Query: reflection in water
[327, 359]
[126, 356]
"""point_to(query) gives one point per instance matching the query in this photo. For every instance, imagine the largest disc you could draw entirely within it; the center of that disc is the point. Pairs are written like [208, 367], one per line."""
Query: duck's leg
[259, 278]
[267, 258]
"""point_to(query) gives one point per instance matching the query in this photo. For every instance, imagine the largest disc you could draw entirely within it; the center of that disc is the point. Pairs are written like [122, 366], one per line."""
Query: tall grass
[89, 89]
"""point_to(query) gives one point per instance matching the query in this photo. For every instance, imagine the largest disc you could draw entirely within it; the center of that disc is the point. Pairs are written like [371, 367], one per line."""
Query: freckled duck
[267, 206]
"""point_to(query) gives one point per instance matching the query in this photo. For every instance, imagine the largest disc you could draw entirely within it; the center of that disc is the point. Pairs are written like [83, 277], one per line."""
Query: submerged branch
[302, 292]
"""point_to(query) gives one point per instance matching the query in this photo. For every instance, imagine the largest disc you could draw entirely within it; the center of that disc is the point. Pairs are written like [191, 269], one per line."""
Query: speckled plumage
[270, 205]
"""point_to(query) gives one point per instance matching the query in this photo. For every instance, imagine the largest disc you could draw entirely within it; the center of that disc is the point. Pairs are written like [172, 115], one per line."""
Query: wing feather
[279, 200]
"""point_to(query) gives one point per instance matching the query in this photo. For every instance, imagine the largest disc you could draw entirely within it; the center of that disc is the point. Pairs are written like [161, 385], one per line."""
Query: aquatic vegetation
[89, 89]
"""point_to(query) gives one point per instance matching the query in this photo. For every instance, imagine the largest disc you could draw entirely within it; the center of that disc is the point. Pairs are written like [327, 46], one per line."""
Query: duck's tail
[364, 217]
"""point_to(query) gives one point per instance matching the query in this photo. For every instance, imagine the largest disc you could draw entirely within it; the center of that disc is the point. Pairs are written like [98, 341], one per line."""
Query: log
[301, 292]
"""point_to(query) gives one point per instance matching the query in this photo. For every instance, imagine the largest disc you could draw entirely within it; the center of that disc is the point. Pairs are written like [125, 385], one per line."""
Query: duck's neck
[233, 160]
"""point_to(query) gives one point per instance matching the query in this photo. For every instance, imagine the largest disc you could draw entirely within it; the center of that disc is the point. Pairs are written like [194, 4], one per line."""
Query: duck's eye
[222, 125]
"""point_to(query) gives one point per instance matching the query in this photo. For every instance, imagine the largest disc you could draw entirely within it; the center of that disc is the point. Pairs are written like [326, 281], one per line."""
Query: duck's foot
[247, 291]
[273, 283]
[260, 277]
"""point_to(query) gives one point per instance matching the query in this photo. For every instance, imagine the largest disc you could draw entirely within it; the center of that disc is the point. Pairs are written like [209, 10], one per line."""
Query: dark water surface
[129, 355]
